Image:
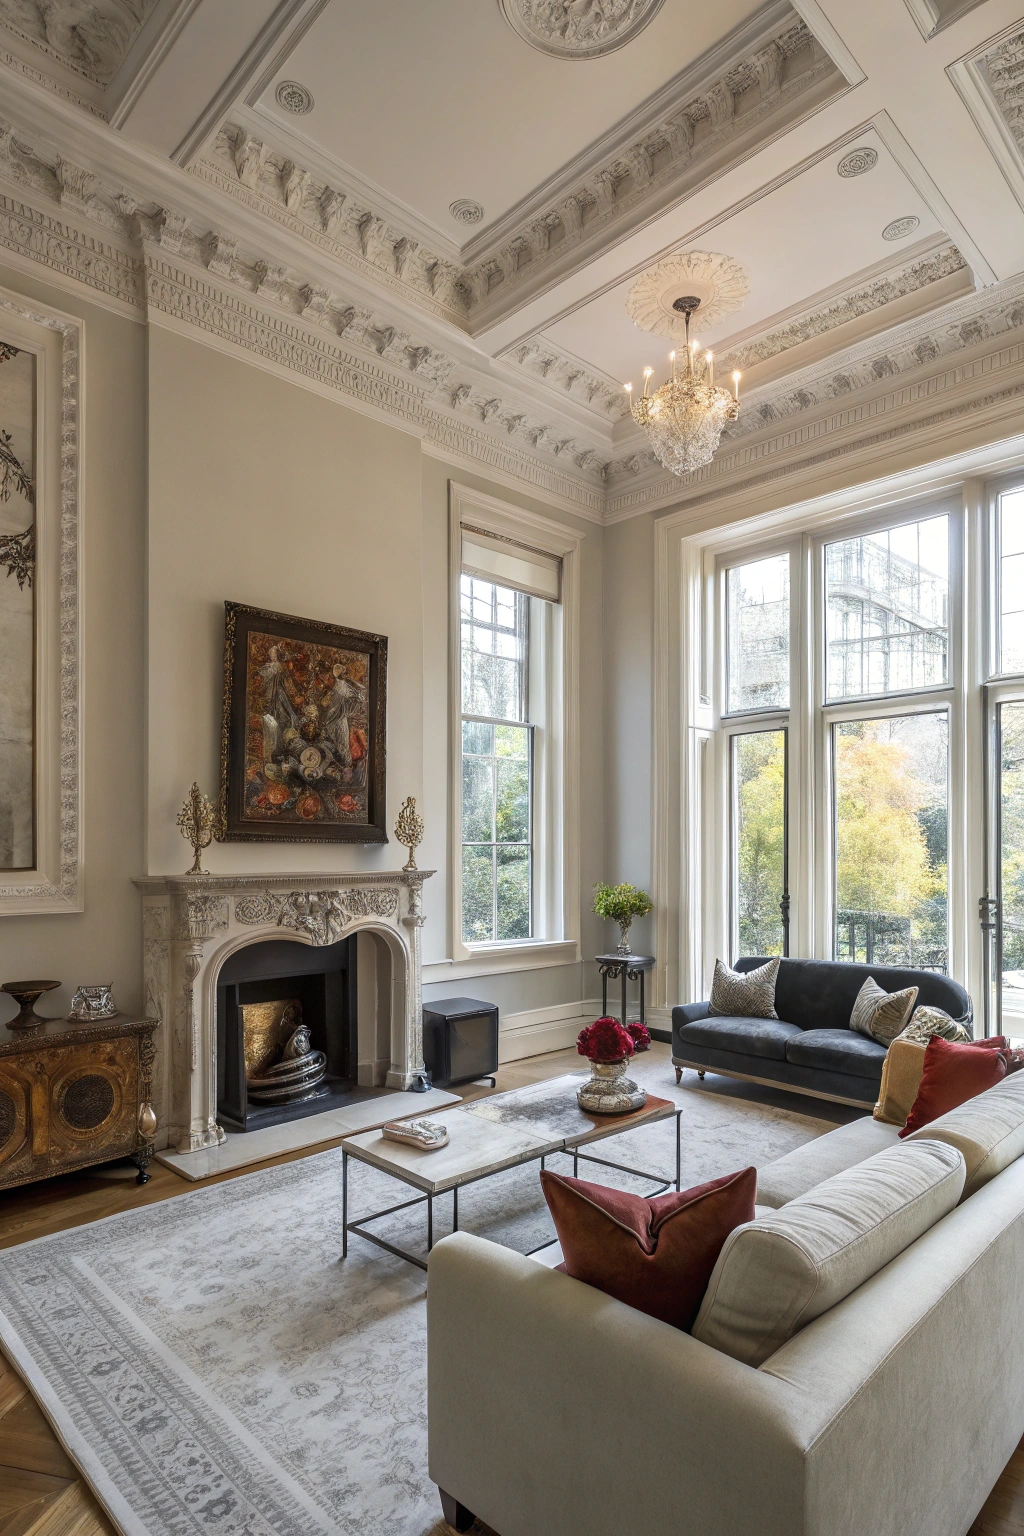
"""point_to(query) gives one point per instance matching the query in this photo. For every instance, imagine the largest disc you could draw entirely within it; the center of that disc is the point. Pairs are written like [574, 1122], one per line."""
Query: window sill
[498, 959]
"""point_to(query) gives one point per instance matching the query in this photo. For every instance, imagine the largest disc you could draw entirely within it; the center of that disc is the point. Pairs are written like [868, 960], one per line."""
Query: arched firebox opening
[287, 1031]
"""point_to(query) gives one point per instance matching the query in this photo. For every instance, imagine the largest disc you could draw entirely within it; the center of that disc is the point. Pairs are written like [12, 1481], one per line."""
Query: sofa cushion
[654, 1254]
[749, 1037]
[747, 994]
[880, 1014]
[777, 1274]
[987, 1130]
[952, 1075]
[837, 1050]
[810, 1165]
[901, 1078]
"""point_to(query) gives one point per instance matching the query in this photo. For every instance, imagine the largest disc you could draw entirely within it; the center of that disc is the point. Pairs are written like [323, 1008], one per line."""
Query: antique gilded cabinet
[75, 1094]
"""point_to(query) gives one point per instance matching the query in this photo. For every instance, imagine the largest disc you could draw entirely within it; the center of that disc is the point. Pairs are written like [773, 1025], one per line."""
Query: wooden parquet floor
[41, 1492]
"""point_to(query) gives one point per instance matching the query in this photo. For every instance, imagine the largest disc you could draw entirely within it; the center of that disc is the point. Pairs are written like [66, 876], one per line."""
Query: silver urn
[610, 1091]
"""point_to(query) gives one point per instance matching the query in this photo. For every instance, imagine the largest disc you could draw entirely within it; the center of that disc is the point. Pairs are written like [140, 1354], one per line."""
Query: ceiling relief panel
[991, 83]
[718, 282]
[579, 29]
[90, 38]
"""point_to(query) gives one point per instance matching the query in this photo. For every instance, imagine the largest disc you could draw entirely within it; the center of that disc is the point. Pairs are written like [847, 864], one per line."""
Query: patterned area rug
[212, 1367]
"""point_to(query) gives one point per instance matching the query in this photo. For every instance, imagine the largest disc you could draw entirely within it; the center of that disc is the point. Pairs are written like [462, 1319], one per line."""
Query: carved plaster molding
[57, 886]
[569, 376]
[991, 82]
[90, 37]
[320, 915]
[718, 281]
[911, 277]
[579, 31]
[693, 136]
[333, 220]
[766, 83]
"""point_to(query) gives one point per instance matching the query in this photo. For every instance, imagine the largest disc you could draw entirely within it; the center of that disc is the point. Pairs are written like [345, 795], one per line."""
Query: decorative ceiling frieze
[569, 376]
[910, 277]
[90, 37]
[154, 258]
[705, 123]
[991, 82]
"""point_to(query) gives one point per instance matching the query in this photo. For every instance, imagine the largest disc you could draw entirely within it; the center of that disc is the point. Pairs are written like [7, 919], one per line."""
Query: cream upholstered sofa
[557, 1411]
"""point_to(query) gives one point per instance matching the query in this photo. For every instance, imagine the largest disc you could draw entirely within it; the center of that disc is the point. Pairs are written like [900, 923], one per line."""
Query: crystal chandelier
[685, 417]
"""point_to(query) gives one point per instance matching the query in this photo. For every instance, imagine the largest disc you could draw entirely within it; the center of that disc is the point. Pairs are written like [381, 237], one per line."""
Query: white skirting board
[538, 1030]
[245, 1147]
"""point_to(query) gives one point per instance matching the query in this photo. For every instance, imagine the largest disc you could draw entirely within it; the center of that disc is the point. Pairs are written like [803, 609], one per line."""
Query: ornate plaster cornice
[991, 82]
[759, 81]
[156, 260]
[908, 277]
[90, 37]
[568, 376]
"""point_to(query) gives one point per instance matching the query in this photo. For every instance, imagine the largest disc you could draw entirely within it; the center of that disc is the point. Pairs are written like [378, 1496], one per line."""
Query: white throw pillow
[879, 1014]
[776, 1274]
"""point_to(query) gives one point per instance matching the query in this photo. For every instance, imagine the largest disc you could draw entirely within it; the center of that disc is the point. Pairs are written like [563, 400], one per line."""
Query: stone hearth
[193, 923]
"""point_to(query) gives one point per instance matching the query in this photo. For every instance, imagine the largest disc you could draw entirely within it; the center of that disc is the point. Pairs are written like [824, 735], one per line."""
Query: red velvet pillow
[952, 1075]
[655, 1255]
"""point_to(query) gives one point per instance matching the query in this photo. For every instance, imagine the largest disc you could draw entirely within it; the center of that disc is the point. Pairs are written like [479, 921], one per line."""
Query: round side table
[628, 968]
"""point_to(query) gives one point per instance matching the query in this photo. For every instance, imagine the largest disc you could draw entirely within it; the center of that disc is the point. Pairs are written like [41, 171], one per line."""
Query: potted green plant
[621, 903]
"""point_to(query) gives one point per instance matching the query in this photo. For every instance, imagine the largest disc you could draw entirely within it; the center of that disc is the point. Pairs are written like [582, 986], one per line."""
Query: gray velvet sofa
[810, 1048]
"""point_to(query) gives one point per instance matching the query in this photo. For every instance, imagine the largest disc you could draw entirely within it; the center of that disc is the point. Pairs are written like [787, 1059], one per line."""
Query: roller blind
[511, 564]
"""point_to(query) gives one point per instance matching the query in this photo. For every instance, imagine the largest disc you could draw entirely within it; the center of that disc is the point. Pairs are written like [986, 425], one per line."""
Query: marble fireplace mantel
[192, 923]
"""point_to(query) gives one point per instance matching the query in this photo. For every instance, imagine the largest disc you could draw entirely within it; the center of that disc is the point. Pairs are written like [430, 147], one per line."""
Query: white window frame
[691, 841]
[556, 771]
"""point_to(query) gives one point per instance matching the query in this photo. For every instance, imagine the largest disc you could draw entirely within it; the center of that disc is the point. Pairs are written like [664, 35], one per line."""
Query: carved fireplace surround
[192, 923]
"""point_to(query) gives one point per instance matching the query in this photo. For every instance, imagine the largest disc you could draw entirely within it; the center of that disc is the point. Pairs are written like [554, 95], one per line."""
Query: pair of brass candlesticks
[201, 822]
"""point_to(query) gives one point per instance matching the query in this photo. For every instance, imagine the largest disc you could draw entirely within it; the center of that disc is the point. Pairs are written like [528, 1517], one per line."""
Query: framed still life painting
[303, 740]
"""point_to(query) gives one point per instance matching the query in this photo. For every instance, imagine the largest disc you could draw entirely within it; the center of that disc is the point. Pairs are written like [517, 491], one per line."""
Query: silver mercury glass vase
[610, 1091]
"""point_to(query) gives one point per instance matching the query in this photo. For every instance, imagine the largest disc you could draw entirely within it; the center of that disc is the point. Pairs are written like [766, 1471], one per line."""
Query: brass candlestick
[198, 822]
[409, 830]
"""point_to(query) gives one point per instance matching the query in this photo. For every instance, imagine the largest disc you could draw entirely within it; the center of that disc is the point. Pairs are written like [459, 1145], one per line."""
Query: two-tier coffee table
[490, 1135]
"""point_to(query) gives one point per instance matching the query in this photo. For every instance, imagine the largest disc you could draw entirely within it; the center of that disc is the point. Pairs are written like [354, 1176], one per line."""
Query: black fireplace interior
[323, 982]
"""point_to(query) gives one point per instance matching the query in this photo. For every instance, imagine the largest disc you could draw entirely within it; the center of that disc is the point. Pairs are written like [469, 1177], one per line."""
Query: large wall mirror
[40, 767]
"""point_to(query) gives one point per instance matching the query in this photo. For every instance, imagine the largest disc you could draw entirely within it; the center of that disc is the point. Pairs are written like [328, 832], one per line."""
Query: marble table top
[499, 1132]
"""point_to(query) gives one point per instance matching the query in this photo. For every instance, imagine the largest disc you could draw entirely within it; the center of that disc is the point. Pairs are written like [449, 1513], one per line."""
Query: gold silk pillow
[901, 1078]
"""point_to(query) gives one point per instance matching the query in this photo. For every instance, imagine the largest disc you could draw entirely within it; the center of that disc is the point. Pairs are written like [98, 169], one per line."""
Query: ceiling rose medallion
[717, 282]
[294, 97]
[900, 228]
[579, 29]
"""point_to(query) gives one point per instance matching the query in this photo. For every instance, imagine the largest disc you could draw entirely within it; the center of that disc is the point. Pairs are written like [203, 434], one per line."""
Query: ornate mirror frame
[54, 883]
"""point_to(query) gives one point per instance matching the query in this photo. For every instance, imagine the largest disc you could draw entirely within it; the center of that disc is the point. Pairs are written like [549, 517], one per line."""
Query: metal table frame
[358, 1227]
[629, 968]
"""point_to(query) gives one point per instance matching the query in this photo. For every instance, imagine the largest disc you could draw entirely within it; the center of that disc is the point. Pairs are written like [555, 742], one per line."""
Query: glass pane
[886, 610]
[477, 894]
[890, 840]
[513, 801]
[477, 738]
[1011, 827]
[1011, 582]
[513, 893]
[477, 800]
[494, 639]
[758, 617]
[759, 840]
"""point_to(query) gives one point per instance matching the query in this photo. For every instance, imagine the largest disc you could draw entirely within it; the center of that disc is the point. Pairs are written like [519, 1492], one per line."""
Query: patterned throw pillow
[744, 994]
[881, 1015]
[928, 1021]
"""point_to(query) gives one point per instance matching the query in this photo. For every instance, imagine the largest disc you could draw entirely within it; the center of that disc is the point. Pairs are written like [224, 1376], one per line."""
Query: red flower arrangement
[640, 1035]
[605, 1040]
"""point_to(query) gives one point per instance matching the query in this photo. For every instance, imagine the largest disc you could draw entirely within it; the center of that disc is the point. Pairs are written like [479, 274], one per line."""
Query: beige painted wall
[264, 492]
[103, 943]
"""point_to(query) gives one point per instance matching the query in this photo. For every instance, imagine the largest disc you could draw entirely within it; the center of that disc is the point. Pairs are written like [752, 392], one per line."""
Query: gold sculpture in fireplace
[280, 1066]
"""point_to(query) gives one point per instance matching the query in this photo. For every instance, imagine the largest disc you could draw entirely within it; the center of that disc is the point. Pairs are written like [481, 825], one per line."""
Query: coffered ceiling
[469, 192]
